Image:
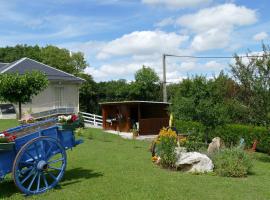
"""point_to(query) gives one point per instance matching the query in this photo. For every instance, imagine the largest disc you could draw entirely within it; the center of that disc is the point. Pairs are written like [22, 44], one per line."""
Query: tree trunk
[20, 110]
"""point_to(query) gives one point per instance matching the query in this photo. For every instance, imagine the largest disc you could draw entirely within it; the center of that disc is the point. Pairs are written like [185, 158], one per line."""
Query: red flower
[10, 138]
[74, 118]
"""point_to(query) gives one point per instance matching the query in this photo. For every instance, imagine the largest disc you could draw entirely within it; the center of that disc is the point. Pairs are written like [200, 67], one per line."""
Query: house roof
[3, 64]
[133, 102]
[26, 64]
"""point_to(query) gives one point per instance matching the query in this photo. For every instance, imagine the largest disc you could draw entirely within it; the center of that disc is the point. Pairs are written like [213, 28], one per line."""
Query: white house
[62, 92]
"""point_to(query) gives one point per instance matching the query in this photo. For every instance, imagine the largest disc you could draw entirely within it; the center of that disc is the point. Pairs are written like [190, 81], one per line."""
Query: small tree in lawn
[20, 89]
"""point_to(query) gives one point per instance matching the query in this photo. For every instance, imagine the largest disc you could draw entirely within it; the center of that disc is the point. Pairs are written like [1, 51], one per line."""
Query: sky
[117, 37]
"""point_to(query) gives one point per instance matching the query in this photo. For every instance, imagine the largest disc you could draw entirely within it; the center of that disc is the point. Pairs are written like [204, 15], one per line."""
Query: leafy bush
[231, 135]
[189, 127]
[195, 134]
[232, 162]
[167, 141]
[193, 143]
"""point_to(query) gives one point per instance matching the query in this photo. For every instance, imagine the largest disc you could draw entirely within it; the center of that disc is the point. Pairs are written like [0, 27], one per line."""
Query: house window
[59, 97]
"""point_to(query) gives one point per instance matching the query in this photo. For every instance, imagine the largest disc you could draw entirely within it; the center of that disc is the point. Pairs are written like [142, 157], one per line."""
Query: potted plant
[6, 141]
[70, 122]
[135, 132]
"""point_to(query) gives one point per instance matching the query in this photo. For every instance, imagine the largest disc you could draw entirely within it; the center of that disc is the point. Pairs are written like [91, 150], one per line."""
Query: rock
[214, 146]
[179, 150]
[194, 162]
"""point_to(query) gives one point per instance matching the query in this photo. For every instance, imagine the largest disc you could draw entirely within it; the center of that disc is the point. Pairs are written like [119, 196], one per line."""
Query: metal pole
[164, 79]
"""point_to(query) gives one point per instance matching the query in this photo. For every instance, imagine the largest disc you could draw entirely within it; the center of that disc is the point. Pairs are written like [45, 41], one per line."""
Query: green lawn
[8, 123]
[109, 167]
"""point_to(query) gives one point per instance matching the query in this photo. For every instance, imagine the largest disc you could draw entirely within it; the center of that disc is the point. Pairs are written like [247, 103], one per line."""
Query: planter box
[7, 146]
[72, 126]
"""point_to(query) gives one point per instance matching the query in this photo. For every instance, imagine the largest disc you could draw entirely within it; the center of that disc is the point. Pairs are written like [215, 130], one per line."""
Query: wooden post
[139, 116]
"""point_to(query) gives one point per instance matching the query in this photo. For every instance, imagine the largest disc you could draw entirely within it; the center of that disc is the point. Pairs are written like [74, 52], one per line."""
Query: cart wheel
[39, 165]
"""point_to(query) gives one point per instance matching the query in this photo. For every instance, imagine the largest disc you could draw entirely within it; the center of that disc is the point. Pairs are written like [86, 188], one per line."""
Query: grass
[109, 167]
[8, 123]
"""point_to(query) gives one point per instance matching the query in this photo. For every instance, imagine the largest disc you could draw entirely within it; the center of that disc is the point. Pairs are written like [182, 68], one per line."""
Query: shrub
[188, 127]
[167, 141]
[231, 135]
[193, 143]
[232, 162]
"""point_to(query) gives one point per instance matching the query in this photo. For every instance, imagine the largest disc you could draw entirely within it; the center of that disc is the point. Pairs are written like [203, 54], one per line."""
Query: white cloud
[260, 36]
[143, 43]
[214, 26]
[165, 22]
[223, 16]
[177, 3]
[116, 70]
[211, 39]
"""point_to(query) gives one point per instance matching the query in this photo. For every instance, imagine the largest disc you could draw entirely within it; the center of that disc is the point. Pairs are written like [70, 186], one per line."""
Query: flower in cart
[74, 118]
[7, 137]
[62, 118]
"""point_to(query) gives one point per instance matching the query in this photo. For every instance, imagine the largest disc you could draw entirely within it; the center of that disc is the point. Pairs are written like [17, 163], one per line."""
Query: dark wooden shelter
[147, 116]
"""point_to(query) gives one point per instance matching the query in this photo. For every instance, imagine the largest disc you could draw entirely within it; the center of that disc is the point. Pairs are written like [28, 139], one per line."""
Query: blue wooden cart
[37, 158]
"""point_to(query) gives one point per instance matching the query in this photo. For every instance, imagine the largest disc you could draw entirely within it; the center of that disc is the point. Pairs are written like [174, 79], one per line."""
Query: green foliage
[187, 127]
[16, 88]
[146, 85]
[231, 135]
[167, 141]
[59, 58]
[63, 60]
[199, 99]
[194, 143]
[89, 95]
[253, 76]
[195, 134]
[21, 88]
[232, 163]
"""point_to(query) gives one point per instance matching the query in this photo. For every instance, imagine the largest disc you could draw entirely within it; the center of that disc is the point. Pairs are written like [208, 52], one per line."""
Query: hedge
[231, 133]
[189, 126]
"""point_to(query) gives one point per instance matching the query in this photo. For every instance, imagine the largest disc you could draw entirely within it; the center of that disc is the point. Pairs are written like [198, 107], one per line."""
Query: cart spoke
[28, 176]
[56, 168]
[45, 180]
[25, 171]
[51, 175]
[26, 163]
[30, 155]
[38, 182]
[48, 152]
[55, 161]
[36, 149]
[32, 181]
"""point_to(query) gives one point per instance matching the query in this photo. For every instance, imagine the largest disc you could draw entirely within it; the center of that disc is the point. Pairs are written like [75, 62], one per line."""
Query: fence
[92, 119]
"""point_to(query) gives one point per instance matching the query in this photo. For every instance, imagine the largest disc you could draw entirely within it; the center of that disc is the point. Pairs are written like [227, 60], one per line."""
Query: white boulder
[193, 162]
[214, 146]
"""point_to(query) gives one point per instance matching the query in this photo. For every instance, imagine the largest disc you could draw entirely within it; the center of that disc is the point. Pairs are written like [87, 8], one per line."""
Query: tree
[88, 95]
[253, 76]
[16, 88]
[199, 99]
[62, 59]
[59, 58]
[146, 85]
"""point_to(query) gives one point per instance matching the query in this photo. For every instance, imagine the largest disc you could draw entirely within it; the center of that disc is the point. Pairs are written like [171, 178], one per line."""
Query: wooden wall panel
[152, 126]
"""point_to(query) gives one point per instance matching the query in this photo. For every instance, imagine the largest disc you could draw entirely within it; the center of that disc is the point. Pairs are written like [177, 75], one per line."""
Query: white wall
[46, 100]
